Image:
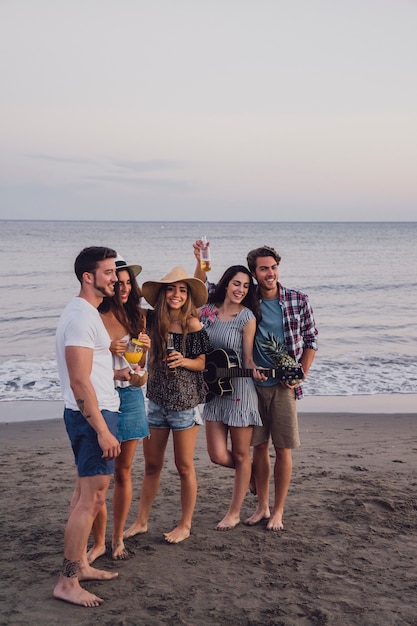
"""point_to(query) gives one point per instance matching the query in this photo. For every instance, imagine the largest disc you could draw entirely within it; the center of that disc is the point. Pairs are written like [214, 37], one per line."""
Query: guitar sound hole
[210, 374]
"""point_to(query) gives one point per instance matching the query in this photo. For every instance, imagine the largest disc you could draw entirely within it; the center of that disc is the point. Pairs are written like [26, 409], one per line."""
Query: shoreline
[37, 410]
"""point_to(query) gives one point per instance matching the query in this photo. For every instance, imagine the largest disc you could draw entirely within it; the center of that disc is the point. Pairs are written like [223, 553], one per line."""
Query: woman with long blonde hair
[175, 389]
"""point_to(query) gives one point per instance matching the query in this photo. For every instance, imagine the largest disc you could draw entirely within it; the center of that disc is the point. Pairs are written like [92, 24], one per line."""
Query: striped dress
[241, 407]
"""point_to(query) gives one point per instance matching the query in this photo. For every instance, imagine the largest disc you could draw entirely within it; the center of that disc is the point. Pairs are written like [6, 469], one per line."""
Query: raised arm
[198, 272]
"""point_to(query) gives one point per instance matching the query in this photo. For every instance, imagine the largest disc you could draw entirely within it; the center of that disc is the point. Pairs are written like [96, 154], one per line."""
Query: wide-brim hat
[150, 288]
[122, 265]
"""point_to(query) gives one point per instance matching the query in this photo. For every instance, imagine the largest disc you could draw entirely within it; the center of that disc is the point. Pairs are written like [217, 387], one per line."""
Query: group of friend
[105, 413]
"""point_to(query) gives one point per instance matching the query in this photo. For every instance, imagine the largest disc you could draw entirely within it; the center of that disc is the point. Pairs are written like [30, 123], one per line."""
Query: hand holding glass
[205, 256]
[134, 351]
[170, 349]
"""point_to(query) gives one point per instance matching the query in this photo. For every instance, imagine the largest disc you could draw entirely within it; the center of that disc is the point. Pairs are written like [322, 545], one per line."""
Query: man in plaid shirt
[287, 316]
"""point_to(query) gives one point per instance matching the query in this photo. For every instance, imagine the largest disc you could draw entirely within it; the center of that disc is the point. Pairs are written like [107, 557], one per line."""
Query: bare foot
[119, 552]
[257, 517]
[95, 552]
[86, 572]
[135, 529]
[69, 590]
[228, 523]
[177, 535]
[275, 522]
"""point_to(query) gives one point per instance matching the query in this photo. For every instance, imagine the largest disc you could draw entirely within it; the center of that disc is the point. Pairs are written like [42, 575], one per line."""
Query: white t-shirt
[81, 325]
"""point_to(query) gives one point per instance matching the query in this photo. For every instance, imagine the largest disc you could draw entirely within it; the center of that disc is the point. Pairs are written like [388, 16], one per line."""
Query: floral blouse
[180, 389]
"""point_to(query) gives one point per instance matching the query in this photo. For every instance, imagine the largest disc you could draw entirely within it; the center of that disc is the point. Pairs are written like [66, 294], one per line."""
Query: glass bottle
[205, 256]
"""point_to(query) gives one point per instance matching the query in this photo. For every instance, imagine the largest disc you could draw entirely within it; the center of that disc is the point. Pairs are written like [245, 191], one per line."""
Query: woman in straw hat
[175, 389]
[124, 319]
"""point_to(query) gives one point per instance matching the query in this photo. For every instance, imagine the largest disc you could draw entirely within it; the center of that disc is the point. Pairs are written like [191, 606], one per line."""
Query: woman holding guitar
[230, 319]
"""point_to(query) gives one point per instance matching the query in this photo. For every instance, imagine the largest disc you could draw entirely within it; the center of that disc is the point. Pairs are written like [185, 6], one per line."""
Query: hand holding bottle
[205, 255]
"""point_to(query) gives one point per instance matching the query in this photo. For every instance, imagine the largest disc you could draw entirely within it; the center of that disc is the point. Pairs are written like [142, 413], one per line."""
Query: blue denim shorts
[158, 417]
[133, 423]
[84, 442]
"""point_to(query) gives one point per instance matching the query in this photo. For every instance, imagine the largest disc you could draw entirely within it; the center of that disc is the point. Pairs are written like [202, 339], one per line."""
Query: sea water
[361, 279]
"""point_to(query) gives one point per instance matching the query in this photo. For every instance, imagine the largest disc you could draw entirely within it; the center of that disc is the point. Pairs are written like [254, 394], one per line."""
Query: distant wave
[38, 380]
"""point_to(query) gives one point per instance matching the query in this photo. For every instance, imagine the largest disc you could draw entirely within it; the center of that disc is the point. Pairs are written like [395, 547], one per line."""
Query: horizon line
[162, 221]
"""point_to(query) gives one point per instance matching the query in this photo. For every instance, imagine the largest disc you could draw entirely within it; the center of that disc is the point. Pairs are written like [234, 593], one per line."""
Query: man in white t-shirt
[91, 414]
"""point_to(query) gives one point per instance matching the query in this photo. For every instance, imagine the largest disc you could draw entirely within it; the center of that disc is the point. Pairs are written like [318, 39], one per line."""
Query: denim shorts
[158, 417]
[133, 423]
[84, 442]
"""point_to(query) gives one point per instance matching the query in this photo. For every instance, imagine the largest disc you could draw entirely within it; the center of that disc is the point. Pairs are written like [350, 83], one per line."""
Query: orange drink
[134, 351]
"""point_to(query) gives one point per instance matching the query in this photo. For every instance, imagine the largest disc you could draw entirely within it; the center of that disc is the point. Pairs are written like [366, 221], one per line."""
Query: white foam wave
[38, 380]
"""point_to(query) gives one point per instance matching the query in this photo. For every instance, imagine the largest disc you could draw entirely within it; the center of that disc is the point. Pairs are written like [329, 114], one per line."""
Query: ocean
[361, 278]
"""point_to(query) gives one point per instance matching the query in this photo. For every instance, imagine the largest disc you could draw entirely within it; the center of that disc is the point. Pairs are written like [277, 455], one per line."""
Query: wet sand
[347, 555]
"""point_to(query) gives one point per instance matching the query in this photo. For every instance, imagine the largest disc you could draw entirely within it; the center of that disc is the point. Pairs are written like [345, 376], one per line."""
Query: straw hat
[122, 265]
[150, 288]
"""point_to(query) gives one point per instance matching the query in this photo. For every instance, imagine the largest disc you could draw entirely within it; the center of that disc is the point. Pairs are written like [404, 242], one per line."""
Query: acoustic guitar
[224, 364]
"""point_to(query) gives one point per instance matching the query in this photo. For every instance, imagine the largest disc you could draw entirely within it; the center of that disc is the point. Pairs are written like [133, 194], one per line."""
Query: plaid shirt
[299, 327]
[300, 330]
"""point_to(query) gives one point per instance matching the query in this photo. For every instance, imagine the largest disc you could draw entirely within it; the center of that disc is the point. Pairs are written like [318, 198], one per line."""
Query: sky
[224, 110]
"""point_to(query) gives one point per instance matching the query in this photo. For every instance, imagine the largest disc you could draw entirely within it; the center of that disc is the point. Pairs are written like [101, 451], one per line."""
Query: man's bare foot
[86, 572]
[69, 590]
[118, 551]
[135, 529]
[95, 552]
[257, 517]
[228, 522]
[275, 522]
[178, 534]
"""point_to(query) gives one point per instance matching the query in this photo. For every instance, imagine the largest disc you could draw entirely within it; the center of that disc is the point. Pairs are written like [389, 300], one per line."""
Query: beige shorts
[278, 410]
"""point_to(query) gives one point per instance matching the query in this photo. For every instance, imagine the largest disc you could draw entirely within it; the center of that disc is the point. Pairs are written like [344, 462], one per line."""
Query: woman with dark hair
[230, 319]
[124, 319]
[175, 389]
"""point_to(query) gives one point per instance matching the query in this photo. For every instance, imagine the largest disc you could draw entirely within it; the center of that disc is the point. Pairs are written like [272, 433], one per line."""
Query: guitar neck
[239, 372]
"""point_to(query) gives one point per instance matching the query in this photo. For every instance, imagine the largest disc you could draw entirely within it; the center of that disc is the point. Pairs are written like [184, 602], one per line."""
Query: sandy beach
[347, 555]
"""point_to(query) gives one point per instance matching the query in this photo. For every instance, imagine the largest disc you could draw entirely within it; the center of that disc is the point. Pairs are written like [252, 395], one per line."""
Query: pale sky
[270, 110]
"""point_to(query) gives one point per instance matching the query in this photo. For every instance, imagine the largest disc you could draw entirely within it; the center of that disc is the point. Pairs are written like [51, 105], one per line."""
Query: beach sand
[347, 555]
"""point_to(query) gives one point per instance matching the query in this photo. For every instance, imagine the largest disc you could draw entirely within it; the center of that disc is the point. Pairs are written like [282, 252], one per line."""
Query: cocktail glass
[134, 351]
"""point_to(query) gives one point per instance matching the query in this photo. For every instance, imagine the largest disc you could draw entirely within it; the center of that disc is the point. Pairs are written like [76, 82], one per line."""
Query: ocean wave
[38, 380]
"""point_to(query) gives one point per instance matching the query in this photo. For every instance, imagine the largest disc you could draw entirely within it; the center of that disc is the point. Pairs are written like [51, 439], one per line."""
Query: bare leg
[75, 495]
[154, 451]
[91, 492]
[99, 535]
[261, 472]
[216, 436]
[184, 445]
[241, 438]
[282, 478]
[122, 496]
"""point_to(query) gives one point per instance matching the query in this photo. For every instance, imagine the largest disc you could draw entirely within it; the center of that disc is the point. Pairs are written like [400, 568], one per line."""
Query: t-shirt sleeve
[80, 333]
